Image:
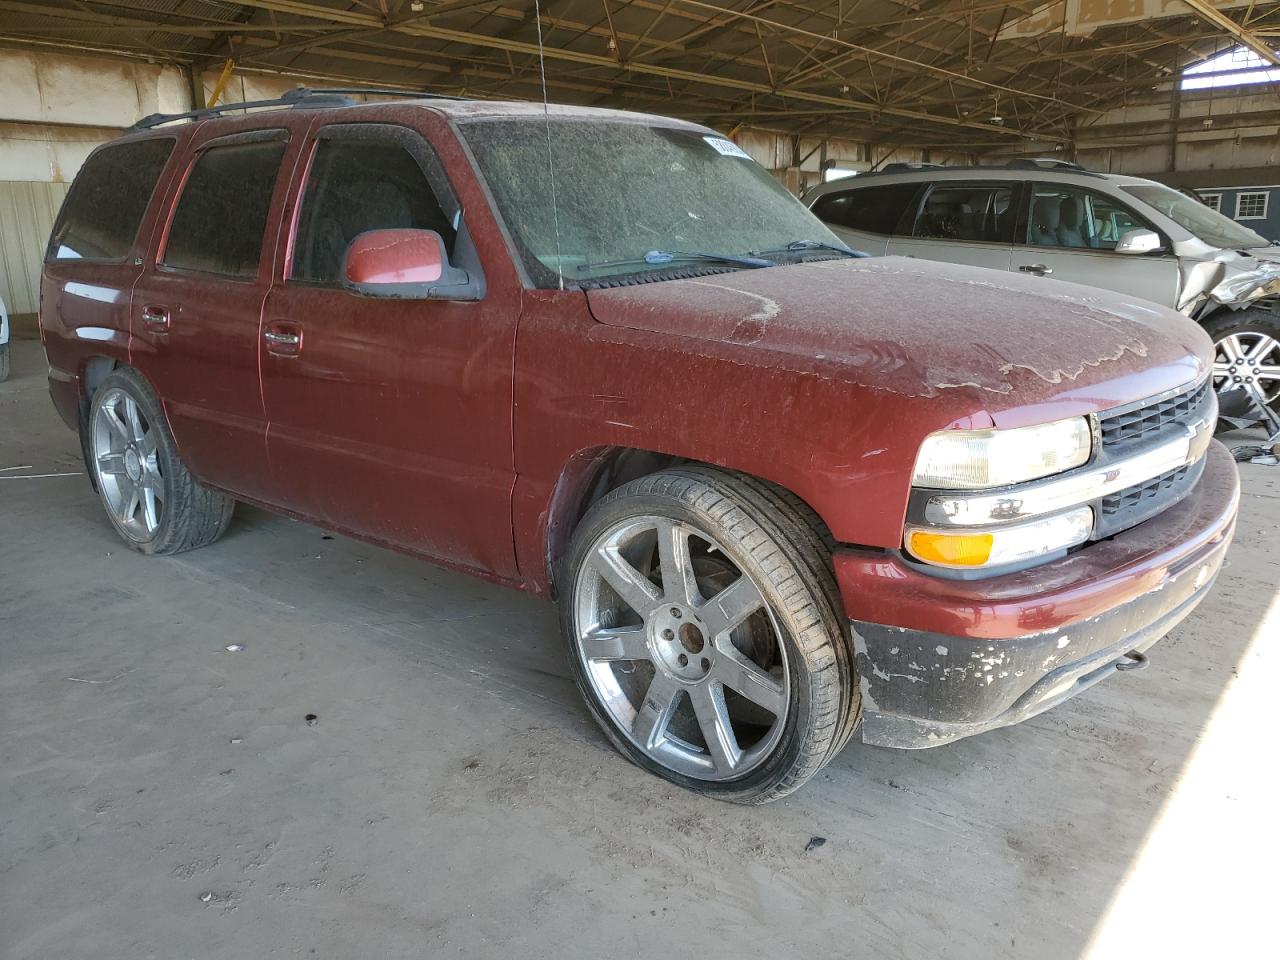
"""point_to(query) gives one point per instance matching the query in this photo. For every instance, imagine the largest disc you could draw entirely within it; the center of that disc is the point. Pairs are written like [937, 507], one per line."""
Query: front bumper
[941, 659]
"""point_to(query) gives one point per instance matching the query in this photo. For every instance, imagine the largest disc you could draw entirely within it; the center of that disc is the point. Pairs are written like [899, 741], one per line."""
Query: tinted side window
[874, 209]
[222, 212]
[100, 217]
[355, 186]
[983, 212]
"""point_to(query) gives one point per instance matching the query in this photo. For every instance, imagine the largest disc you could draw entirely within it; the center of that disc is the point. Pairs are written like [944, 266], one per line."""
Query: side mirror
[405, 264]
[1138, 241]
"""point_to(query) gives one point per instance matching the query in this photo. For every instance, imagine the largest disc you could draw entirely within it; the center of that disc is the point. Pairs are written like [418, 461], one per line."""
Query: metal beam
[1206, 11]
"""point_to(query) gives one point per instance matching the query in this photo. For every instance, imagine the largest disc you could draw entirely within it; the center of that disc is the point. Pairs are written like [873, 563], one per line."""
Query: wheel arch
[592, 473]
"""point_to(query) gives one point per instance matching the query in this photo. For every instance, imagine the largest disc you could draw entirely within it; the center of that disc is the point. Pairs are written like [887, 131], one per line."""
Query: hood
[920, 328]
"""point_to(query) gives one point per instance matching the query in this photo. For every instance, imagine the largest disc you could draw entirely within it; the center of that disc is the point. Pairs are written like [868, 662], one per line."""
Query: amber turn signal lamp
[957, 549]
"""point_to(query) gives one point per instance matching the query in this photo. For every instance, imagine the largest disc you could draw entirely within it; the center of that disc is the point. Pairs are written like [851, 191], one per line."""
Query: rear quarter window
[105, 205]
[871, 209]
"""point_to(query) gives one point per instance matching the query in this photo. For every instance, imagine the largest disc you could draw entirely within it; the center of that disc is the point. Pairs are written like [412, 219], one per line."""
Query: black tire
[1253, 322]
[774, 538]
[4, 362]
[191, 515]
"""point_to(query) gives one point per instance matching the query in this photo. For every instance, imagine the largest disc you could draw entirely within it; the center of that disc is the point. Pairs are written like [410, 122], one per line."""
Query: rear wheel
[704, 633]
[155, 505]
[1246, 364]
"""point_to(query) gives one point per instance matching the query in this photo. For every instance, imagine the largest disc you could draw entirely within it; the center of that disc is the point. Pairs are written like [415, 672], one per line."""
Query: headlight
[972, 459]
[1000, 546]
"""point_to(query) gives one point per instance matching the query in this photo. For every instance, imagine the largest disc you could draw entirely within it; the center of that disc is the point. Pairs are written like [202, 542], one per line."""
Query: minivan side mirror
[405, 264]
[1138, 241]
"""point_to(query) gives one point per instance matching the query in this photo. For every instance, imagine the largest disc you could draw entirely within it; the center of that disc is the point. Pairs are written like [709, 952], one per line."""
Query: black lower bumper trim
[925, 689]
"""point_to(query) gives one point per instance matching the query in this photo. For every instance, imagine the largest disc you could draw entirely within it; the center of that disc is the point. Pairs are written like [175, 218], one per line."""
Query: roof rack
[1042, 163]
[910, 165]
[301, 98]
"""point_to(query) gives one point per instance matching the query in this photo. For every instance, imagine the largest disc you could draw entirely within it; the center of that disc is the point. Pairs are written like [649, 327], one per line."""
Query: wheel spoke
[731, 606]
[111, 464]
[1231, 348]
[617, 643]
[1261, 347]
[741, 674]
[678, 581]
[147, 445]
[629, 583]
[1267, 372]
[112, 416]
[134, 419]
[150, 513]
[655, 712]
[717, 730]
[130, 500]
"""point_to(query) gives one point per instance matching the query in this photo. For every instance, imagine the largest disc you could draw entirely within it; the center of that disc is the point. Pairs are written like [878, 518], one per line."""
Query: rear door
[1071, 234]
[390, 418]
[197, 307]
[962, 222]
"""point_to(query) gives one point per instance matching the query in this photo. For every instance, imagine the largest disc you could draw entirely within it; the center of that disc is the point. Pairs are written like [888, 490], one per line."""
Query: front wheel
[1246, 363]
[704, 632]
[155, 505]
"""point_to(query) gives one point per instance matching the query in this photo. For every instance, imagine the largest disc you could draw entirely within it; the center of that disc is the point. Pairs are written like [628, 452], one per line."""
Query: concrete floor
[161, 797]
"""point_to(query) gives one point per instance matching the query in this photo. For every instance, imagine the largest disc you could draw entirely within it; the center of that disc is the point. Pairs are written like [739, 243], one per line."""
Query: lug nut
[684, 661]
[668, 635]
[675, 612]
[706, 664]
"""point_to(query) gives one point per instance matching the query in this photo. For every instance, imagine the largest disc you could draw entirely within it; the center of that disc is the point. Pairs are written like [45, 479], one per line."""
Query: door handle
[157, 318]
[1039, 269]
[283, 338]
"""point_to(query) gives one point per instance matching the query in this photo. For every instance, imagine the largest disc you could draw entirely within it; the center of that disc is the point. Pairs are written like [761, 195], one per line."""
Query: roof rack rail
[1042, 163]
[303, 98]
[910, 165]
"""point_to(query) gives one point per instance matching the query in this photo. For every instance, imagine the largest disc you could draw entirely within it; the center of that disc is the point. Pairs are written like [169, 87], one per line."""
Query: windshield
[1209, 225]
[626, 189]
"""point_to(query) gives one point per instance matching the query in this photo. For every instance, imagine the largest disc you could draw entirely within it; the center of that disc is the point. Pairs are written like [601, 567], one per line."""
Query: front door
[959, 222]
[1072, 234]
[389, 418]
[197, 311]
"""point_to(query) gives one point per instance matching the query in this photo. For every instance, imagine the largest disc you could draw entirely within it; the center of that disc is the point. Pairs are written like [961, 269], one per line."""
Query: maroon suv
[776, 488]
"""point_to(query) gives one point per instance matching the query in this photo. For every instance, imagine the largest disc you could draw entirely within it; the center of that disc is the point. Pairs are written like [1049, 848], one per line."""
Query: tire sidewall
[608, 513]
[131, 383]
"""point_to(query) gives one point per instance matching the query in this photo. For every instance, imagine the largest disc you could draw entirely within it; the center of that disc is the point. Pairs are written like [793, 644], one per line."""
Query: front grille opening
[1150, 490]
[1139, 423]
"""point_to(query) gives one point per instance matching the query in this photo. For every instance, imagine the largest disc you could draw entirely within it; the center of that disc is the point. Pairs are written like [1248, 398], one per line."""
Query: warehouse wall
[26, 217]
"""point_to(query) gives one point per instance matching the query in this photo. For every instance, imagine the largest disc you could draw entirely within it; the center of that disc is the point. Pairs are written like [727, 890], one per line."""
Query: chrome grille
[1134, 425]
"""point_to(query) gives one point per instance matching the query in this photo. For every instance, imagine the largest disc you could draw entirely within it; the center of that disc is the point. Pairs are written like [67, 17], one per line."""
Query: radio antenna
[551, 163]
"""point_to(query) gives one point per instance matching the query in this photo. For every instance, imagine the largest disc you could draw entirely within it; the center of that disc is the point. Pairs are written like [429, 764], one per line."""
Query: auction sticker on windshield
[727, 148]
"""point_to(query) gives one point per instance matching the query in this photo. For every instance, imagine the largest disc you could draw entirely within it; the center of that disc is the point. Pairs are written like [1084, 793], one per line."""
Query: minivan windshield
[1204, 222]
[625, 190]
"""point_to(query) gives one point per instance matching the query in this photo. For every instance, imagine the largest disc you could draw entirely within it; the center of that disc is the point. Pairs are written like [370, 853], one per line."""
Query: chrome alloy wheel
[681, 649]
[1251, 361]
[124, 457]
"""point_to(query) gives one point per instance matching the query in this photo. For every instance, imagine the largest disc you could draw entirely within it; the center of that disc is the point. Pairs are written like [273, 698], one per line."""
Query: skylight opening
[1238, 59]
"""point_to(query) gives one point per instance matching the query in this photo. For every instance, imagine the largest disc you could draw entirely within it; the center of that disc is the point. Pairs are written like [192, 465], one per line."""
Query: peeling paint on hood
[919, 328]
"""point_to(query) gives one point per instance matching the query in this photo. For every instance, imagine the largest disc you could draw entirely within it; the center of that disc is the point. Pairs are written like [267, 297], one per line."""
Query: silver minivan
[1056, 219]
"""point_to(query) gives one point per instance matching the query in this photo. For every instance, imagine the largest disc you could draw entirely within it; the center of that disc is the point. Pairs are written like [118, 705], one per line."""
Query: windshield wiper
[796, 246]
[661, 257]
